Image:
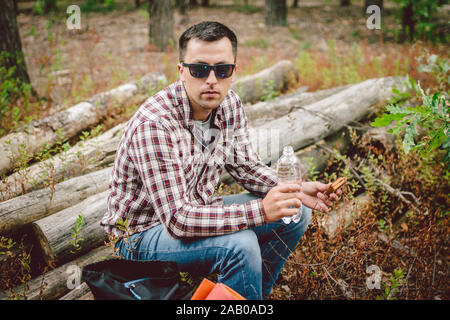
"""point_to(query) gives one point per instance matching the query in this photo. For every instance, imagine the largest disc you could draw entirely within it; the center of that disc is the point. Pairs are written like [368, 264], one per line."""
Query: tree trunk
[295, 4]
[205, 3]
[182, 6]
[368, 3]
[68, 123]
[320, 119]
[285, 104]
[84, 157]
[55, 281]
[344, 3]
[49, 5]
[161, 23]
[137, 3]
[408, 22]
[268, 82]
[10, 43]
[20, 211]
[276, 13]
[54, 232]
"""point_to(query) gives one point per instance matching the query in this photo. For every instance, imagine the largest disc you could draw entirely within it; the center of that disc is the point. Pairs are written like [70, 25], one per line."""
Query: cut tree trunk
[84, 157]
[53, 284]
[20, 211]
[343, 215]
[320, 119]
[263, 112]
[54, 232]
[66, 124]
[278, 78]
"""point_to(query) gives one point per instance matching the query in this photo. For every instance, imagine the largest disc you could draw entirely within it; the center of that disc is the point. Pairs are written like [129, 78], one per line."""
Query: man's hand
[313, 196]
[279, 199]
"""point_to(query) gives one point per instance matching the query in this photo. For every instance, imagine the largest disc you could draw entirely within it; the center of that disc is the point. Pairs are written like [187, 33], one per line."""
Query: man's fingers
[324, 198]
[289, 187]
[289, 212]
[293, 202]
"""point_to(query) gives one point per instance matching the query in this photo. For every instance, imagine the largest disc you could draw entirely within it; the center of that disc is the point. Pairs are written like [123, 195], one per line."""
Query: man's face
[207, 93]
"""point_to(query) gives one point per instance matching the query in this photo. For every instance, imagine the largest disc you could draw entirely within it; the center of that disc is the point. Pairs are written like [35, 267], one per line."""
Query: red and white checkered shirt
[162, 174]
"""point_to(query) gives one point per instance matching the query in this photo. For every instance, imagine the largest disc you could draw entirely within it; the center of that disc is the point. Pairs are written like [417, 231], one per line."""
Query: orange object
[207, 290]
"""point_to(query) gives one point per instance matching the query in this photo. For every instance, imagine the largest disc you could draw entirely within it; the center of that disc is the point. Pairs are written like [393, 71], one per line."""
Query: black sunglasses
[202, 70]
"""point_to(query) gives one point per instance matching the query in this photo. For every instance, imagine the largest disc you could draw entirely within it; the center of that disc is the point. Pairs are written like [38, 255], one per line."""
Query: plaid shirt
[162, 174]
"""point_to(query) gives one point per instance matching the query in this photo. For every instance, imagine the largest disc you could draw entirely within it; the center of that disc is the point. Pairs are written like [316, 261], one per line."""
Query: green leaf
[385, 120]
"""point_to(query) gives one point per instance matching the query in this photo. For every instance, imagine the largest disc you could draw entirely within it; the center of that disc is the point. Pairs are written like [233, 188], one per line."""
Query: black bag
[120, 279]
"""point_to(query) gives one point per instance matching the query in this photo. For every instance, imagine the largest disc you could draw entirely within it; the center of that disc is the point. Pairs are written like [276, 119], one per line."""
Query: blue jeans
[247, 261]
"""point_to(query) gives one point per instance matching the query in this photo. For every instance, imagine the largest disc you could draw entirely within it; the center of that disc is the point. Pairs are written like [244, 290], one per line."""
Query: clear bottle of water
[289, 170]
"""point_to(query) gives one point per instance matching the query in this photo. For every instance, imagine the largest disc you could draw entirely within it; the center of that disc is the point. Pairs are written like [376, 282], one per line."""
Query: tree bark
[263, 112]
[320, 119]
[276, 13]
[343, 215]
[161, 23]
[344, 3]
[54, 232]
[276, 79]
[408, 22]
[55, 281]
[368, 3]
[10, 43]
[20, 211]
[34, 137]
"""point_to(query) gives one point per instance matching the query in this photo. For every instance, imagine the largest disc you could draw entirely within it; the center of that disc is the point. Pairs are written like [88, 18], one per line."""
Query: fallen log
[77, 293]
[278, 78]
[343, 215]
[322, 118]
[20, 211]
[66, 124]
[54, 233]
[263, 112]
[84, 157]
[54, 283]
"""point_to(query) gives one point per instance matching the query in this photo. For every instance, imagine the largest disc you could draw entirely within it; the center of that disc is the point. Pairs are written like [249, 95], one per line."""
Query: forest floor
[330, 46]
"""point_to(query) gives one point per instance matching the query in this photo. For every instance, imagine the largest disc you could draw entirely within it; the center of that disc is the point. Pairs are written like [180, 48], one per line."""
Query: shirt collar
[186, 110]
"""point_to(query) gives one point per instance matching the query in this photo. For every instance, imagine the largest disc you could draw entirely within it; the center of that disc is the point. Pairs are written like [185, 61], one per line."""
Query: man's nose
[211, 77]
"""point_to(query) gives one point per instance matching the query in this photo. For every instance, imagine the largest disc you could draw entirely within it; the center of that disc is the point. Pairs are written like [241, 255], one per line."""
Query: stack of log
[311, 122]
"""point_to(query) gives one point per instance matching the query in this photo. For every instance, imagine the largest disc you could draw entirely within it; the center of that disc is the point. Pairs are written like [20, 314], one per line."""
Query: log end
[44, 245]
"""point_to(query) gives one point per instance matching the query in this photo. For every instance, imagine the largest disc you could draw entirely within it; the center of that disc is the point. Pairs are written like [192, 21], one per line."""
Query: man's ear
[181, 71]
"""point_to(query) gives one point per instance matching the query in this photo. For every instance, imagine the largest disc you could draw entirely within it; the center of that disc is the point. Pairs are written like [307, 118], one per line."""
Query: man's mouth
[210, 93]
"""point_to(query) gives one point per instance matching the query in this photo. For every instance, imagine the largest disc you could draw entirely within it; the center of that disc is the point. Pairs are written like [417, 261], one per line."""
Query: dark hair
[206, 31]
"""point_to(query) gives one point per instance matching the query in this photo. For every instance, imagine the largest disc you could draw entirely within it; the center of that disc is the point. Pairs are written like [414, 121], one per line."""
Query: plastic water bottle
[289, 170]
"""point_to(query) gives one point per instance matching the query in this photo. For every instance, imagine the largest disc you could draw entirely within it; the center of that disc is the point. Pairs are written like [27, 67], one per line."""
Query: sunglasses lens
[199, 70]
[224, 71]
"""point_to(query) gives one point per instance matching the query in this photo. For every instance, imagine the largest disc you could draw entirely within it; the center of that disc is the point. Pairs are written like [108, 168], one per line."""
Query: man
[170, 160]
